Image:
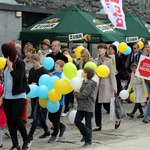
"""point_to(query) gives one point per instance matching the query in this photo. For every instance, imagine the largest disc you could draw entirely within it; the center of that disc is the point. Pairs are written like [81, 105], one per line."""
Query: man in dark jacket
[56, 54]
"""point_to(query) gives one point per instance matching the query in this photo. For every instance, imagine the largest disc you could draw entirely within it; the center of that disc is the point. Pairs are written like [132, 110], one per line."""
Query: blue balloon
[48, 63]
[52, 107]
[42, 91]
[33, 91]
[127, 51]
[52, 81]
[44, 79]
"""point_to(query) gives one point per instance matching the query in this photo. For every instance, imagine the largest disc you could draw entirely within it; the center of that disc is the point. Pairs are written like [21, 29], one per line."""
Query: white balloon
[72, 115]
[76, 83]
[124, 94]
[96, 79]
[79, 74]
[116, 43]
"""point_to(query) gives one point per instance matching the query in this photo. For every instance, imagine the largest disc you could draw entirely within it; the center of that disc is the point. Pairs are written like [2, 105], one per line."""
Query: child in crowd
[85, 107]
[139, 88]
[34, 75]
[55, 117]
[2, 120]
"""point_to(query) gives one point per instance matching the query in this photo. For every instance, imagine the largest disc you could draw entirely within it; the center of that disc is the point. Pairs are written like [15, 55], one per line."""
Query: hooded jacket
[86, 96]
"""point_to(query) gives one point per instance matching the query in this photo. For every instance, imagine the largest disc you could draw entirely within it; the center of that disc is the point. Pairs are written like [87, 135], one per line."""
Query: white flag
[113, 9]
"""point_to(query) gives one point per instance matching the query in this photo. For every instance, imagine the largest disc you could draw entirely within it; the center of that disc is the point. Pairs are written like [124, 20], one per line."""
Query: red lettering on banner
[119, 22]
[144, 68]
[115, 1]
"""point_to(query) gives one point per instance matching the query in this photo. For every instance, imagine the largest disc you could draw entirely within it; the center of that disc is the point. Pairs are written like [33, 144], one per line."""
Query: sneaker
[52, 139]
[1, 145]
[62, 131]
[87, 144]
[64, 114]
[140, 116]
[26, 145]
[45, 135]
[15, 148]
[145, 120]
[130, 115]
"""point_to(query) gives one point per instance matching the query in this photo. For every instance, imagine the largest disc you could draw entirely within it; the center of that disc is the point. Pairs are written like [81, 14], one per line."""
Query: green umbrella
[135, 28]
[70, 24]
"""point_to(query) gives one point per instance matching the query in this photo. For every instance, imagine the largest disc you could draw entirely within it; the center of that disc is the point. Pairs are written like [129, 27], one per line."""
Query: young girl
[139, 88]
[2, 120]
[85, 107]
[34, 75]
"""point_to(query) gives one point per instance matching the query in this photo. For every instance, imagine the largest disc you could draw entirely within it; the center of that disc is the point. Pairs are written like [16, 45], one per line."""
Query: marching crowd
[26, 68]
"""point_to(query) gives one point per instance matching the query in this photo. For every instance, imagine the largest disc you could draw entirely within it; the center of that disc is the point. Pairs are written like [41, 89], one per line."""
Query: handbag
[120, 112]
[112, 110]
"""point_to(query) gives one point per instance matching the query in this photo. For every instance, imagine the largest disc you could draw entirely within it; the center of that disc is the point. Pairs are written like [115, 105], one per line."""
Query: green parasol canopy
[70, 24]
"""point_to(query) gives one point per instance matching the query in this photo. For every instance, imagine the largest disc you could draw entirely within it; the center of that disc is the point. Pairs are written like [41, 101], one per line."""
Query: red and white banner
[143, 69]
[113, 9]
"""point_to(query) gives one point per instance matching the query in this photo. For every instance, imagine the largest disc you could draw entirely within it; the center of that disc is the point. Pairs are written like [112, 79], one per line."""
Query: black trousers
[55, 119]
[98, 111]
[137, 106]
[13, 110]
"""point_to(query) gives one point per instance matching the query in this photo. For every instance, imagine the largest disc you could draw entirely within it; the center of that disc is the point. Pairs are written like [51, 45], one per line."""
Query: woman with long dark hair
[14, 95]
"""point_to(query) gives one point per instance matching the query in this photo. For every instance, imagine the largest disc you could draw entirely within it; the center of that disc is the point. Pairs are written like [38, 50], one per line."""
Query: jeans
[147, 116]
[55, 119]
[85, 130]
[13, 110]
[38, 115]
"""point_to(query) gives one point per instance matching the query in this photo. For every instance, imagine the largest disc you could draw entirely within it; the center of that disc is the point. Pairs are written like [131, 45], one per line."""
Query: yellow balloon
[122, 47]
[140, 44]
[62, 86]
[131, 97]
[69, 58]
[54, 96]
[42, 102]
[2, 62]
[102, 71]
[78, 51]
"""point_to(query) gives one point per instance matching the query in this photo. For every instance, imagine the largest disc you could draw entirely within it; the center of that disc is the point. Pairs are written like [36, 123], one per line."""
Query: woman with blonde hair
[85, 57]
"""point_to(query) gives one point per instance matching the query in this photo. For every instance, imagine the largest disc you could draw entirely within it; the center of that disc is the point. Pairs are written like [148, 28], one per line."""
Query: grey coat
[107, 86]
[86, 96]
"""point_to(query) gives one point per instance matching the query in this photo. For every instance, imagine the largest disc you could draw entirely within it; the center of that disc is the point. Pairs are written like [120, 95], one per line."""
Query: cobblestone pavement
[132, 134]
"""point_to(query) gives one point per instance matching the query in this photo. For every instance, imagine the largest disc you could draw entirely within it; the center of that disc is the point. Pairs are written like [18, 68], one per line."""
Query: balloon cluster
[124, 48]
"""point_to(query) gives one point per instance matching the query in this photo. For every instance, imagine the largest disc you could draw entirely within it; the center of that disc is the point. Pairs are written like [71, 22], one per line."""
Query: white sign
[104, 28]
[75, 37]
[115, 12]
[143, 69]
[44, 26]
[132, 39]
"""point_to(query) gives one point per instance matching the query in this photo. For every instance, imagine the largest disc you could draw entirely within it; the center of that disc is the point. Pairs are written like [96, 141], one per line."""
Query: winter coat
[107, 86]
[86, 96]
[139, 87]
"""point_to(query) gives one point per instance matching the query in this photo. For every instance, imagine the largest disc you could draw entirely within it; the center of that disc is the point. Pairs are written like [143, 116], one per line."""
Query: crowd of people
[25, 67]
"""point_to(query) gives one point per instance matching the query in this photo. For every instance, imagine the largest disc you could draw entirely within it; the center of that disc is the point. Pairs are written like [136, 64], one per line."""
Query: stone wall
[138, 7]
